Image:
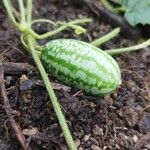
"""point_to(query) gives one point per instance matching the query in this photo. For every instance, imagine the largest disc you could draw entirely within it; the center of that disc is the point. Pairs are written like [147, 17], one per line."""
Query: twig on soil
[141, 141]
[16, 68]
[115, 19]
[7, 108]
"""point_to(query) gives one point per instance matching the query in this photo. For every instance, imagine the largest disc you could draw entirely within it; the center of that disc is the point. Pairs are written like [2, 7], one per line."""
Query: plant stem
[23, 41]
[119, 9]
[51, 33]
[106, 38]
[29, 10]
[43, 20]
[107, 5]
[128, 49]
[7, 5]
[22, 11]
[16, 13]
[52, 96]
[73, 26]
[48, 34]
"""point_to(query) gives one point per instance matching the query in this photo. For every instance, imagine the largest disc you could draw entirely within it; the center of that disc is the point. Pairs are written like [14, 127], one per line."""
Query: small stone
[80, 148]
[77, 143]
[105, 147]
[8, 80]
[92, 104]
[117, 146]
[30, 132]
[86, 137]
[98, 131]
[95, 147]
[135, 138]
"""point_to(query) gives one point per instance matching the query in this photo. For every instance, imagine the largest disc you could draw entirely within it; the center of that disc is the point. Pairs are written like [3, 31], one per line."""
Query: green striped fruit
[81, 65]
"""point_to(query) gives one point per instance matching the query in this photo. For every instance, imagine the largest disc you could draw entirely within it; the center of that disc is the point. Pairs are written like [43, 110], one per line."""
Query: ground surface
[118, 121]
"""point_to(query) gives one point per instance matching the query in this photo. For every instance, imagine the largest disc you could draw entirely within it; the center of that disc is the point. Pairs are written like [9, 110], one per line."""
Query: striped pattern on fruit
[81, 65]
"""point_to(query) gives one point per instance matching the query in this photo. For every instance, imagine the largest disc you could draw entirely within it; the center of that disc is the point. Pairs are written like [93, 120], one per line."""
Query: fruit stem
[106, 37]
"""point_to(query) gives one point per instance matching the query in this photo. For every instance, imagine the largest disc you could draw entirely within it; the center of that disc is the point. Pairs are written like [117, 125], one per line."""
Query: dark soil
[119, 121]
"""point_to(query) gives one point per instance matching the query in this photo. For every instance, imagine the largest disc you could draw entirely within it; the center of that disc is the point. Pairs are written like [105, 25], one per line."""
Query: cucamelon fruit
[81, 65]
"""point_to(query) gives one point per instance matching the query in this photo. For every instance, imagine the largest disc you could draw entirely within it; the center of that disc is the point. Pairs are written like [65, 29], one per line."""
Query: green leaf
[137, 11]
